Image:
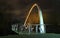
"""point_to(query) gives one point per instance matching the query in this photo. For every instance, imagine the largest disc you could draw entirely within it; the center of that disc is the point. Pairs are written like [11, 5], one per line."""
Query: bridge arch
[35, 5]
[42, 30]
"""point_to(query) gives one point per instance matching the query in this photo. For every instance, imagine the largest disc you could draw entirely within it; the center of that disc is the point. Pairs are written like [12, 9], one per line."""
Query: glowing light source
[42, 29]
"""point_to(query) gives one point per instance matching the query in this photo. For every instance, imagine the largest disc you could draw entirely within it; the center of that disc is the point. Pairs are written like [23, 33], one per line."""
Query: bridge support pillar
[36, 28]
[29, 29]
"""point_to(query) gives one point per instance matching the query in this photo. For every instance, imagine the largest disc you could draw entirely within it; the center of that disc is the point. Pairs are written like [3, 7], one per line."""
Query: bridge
[28, 26]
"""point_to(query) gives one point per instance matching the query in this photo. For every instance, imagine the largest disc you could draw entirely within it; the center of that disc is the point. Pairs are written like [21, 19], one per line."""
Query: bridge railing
[35, 28]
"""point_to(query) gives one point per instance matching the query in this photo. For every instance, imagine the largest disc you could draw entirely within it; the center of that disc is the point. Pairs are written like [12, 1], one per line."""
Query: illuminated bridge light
[42, 29]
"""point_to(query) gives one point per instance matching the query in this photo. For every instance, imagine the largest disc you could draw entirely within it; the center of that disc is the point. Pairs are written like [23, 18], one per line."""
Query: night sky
[15, 11]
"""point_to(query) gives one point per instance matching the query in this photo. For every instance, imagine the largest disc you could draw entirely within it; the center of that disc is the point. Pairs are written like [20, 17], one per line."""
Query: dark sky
[19, 9]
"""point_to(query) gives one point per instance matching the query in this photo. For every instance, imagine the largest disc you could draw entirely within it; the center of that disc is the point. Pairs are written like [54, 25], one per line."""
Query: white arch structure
[42, 29]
